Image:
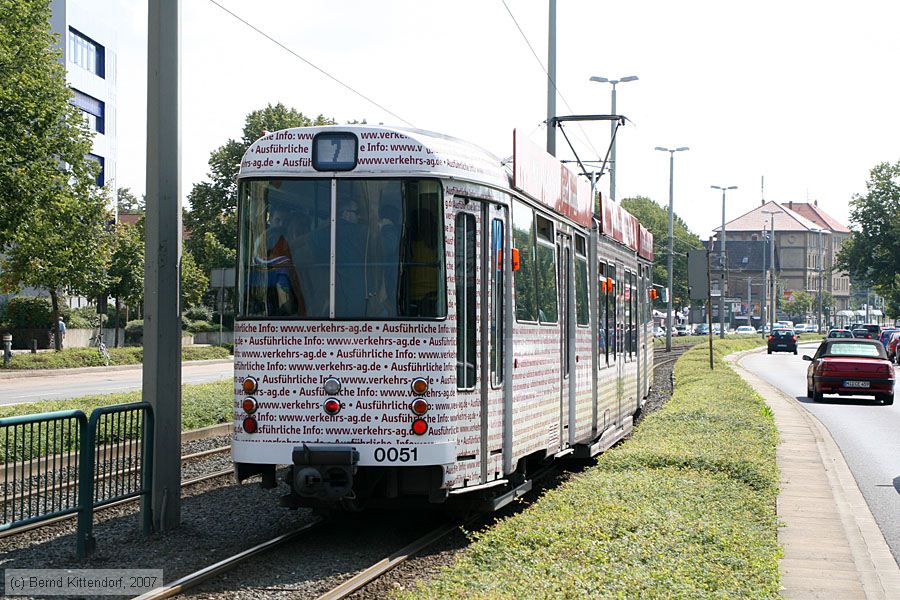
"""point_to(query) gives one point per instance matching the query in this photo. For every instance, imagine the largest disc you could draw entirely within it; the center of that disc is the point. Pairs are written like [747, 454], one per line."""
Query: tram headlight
[419, 406]
[250, 385]
[419, 386]
[332, 386]
[250, 425]
[332, 406]
[249, 405]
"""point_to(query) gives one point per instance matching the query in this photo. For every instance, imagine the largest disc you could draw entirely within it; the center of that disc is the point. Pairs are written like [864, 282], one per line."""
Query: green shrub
[198, 326]
[90, 357]
[29, 312]
[134, 329]
[197, 313]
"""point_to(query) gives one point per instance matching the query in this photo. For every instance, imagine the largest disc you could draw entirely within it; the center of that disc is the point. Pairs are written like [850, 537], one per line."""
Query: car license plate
[856, 384]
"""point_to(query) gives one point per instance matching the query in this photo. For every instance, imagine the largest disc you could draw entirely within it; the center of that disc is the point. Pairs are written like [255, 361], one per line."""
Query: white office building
[88, 47]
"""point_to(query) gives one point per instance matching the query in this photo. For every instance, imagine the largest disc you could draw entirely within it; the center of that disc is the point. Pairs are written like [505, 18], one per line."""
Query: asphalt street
[73, 385]
[867, 433]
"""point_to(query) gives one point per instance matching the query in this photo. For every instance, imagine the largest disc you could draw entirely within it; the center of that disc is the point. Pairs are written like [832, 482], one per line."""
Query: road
[867, 433]
[72, 385]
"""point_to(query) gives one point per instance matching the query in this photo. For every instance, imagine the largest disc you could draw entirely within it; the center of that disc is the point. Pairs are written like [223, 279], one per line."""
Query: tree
[127, 202]
[799, 305]
[52, 215]
[656, 218]
[194, 282]
[39, 129]
[872, 253]
[126, 269]
[212, 219]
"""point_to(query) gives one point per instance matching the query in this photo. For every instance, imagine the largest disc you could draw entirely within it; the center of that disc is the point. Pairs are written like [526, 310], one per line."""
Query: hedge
[91, 357]
[684, 509]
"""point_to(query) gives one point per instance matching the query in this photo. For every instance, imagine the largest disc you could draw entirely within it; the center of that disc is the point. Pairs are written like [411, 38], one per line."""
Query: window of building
[86, 53]
[101, 175]
[92, 109]
[465, 301]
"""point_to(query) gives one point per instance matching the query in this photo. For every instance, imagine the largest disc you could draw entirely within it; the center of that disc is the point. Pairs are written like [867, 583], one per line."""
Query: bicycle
[97, 341]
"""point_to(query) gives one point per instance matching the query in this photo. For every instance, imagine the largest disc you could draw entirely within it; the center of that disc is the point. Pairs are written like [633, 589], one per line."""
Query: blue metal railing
[59, 463]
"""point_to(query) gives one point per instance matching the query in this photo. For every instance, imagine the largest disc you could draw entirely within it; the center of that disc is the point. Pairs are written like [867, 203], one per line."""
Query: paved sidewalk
[833, 547]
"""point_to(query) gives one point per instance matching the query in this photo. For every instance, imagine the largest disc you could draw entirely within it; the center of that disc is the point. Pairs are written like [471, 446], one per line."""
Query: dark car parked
[850, 368]
[782, 340]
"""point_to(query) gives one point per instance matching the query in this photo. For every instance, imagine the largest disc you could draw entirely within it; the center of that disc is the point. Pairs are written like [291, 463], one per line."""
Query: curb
[18, 373]
[809, 565]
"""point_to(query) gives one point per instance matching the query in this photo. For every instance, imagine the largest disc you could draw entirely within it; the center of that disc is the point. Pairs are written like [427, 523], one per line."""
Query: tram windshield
[383, 256]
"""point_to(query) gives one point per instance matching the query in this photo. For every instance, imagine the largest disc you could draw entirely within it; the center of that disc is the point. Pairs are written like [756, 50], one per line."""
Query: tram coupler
[323, 471]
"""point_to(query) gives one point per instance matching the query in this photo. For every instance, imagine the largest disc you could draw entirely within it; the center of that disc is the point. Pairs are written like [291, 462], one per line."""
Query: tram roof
[378, 150]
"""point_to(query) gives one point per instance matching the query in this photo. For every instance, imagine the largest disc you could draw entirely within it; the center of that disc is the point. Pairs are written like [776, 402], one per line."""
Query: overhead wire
[309, 63]
[585, 137]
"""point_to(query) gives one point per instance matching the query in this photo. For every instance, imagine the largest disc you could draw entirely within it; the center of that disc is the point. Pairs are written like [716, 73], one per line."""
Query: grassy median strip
[202, 404]
[684, 509]
[91, 357]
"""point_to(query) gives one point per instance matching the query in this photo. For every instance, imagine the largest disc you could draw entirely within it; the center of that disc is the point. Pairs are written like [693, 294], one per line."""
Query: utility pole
[551, 80]
[709, 333]
[162, 310]
[724, 262]
[749, 303]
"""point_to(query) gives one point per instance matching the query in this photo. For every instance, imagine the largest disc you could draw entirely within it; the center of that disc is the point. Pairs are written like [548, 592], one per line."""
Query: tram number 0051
[401, 454]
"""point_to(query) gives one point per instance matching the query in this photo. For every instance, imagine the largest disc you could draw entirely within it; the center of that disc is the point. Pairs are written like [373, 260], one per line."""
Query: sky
[802, 94]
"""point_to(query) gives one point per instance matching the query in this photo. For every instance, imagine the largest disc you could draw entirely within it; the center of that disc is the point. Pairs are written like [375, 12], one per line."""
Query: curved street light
[671, 152]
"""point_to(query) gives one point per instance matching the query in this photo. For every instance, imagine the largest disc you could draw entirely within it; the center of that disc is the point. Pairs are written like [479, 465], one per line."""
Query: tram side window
[497, 283]
[523, 240]
[582, 310]
[629, 316]
[602, 314]
[465, 301]
[548, 310]
[634, 315]
[612, 291]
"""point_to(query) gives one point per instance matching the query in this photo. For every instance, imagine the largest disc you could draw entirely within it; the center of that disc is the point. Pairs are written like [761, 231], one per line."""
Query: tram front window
[388, 249]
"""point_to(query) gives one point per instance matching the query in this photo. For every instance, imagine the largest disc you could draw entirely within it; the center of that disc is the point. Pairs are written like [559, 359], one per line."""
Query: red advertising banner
[544, 178]
[645, 242]
[620, 225]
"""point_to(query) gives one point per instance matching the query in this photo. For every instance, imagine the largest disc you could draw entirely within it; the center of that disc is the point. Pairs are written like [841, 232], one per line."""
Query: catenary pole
[551, 80]
[162, 312]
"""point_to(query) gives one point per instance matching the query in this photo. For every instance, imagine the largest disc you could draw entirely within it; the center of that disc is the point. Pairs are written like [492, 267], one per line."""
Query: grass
[89, 357]
[684, 509]
[202, 405]
[697, 339]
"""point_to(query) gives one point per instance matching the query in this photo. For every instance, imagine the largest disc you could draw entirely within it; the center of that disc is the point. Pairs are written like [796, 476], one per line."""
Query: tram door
[480, 274]
[564, 280]
[620, 287]
[644, 316]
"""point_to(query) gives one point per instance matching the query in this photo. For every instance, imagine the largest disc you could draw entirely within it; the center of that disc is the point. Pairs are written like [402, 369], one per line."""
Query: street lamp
[724, 263]
[612, 130]
[671, 152]
[772, 304]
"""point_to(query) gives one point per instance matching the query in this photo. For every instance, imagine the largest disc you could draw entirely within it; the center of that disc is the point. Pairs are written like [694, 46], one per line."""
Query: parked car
[682, 330]
[702, 329]
[893, 347]
[863, 334]
[812, 328]
[839, 333]
[850, 368]
[659, 332]
[885, 336]
[745, 330]
[800, 328]
[782, 340]
[786, 324]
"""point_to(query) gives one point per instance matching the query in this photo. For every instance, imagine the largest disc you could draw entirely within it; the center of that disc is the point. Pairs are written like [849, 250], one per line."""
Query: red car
[850, 367]
[892, 347]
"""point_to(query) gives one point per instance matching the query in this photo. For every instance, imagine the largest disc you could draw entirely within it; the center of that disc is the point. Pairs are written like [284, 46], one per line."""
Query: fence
[59, 463]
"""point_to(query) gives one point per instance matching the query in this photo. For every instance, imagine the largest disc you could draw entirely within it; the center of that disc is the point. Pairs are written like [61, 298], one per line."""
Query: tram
[419, 321]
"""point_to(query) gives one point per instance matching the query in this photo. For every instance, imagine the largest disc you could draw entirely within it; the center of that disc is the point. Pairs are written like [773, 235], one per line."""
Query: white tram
[417, 321]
